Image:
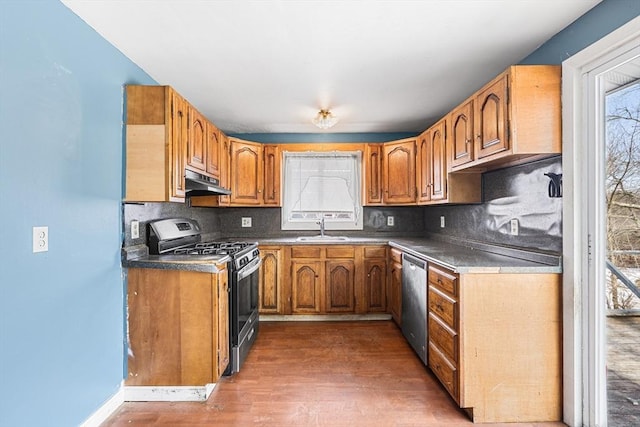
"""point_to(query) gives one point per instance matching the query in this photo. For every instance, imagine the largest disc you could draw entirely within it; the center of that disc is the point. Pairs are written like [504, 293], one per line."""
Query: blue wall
[61, 325]
[589, 28]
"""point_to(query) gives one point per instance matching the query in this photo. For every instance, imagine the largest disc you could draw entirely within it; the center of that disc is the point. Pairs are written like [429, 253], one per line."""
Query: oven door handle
[248, 269]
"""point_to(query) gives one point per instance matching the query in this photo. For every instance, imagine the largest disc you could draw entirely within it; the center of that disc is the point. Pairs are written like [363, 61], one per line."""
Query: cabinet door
[395, 289]
[197, 142]
[438, 162]
[270, 278]
[271, 175]
[306, 286]
[223, 323]
[375, 285]
[423, 167]
[179, 126]
[246, 177]
[340, 286]
[490, 118]
[213, 150]
[225, 169]
[399, 172]
[373, 174]
[461, 134]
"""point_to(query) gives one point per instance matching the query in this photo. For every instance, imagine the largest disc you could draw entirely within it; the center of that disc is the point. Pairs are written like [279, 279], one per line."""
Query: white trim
[106, 410]
[168, 393]
[579, 314]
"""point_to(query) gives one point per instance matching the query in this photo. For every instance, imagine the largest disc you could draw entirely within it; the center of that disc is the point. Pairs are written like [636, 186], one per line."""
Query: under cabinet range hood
[201, 185]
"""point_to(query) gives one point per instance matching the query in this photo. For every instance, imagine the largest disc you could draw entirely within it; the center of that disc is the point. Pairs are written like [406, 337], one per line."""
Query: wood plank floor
[318, 374]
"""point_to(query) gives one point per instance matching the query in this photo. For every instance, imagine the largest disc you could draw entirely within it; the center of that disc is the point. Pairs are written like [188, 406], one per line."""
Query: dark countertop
[204, 264]
[462, 257]
[459, 256]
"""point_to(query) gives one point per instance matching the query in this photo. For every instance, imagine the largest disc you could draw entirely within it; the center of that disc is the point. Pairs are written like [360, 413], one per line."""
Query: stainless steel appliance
[414, 304]
[181, 237]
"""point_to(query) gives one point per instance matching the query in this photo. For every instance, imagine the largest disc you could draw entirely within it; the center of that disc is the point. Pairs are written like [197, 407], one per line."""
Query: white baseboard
[322, 317]
[168, 393]
[106, 410]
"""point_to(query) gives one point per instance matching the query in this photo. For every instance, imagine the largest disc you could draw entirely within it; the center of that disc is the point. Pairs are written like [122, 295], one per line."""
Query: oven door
[244, 314]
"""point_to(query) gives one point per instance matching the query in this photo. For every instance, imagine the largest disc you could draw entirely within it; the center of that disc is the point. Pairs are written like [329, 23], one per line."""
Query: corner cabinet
[513, 119]
[156, 144]
[431, 164]
[184, 339]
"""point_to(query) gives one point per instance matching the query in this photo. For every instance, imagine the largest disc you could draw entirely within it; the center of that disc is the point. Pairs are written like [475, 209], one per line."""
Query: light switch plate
[442, 221]
[40, 239]
[391, 221]
[246, 221]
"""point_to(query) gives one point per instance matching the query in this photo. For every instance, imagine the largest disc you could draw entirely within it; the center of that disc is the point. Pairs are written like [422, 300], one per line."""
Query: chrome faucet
[321, 222]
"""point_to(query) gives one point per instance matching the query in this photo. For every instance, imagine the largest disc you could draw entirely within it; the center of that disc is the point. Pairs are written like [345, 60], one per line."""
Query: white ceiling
[380, 66]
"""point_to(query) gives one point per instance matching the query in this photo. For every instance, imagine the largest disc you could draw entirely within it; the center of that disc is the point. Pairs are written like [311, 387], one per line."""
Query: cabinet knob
[478, 136]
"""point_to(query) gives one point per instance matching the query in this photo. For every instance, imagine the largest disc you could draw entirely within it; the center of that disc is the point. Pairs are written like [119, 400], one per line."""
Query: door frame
[584, 340]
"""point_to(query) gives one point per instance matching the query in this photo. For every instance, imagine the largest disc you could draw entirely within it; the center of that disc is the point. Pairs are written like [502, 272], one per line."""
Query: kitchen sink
[325, 238]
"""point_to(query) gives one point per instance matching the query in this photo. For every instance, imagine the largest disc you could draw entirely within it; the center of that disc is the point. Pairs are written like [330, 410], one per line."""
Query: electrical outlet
[246, 221]
[514, 227]
[135, 229]
[40, 239]
[391, 221]
[442, 221]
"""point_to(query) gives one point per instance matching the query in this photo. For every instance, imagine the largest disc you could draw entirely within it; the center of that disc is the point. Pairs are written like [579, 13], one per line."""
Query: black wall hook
[555, 184]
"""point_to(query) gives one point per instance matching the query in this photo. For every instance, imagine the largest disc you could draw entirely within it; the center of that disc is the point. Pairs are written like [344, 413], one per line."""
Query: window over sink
[322, 185]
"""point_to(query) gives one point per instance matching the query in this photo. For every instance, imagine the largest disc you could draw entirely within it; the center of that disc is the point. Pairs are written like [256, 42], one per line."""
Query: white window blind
[322, 184]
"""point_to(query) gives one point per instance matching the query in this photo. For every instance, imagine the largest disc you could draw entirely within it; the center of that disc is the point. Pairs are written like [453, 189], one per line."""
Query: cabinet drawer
[444, 306]
[445, 371]
[341, 252]
[306, 252]
[443, 337]
[396, 255]
[445, 279]
[375, 252]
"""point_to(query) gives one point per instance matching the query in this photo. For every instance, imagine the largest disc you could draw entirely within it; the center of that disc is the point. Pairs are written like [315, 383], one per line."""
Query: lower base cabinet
[395, 285]
[178, 327]
[495, 343]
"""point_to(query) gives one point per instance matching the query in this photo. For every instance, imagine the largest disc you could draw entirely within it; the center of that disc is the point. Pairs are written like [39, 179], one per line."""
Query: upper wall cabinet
[372, 168]
[431, 164]
[516, 118]
[197, 143]
[246, 172]
[214, 138]
[156, 144]
[271, 194]
[399, 172]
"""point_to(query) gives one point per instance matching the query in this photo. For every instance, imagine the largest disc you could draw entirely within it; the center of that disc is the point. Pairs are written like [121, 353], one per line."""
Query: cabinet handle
[478, 135]
[467, 141]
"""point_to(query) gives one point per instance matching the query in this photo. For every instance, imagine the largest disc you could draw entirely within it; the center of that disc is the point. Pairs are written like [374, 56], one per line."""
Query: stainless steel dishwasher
[414, 304]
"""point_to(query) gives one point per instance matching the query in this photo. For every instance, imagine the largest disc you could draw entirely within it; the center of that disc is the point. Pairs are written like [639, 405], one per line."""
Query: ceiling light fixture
[324, 119]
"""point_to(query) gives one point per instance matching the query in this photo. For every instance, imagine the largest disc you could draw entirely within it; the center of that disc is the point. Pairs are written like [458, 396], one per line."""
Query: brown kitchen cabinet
[225, 169]
[431, 164]
[197, 142]
[246, 173]
[372, 174]
[178, 327]
[156, 138]
[272, 172]
[271, 280]
[495, 343]
[443, 327]
[214, 149]
[375, 279]
[306, 287]
[399, 172]
[516, 118]
[323, 279]
[394, 284]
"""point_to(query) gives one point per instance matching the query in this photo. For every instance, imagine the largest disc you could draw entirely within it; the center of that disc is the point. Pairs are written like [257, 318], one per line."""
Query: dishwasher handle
[413, 262]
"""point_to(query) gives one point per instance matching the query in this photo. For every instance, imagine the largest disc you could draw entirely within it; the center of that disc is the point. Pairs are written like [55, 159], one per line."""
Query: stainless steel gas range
[181, 238]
